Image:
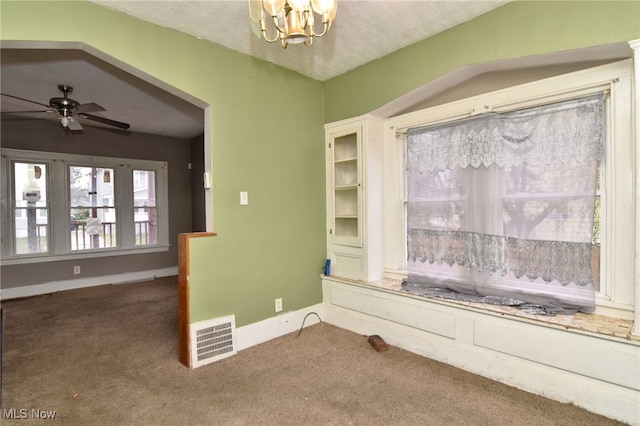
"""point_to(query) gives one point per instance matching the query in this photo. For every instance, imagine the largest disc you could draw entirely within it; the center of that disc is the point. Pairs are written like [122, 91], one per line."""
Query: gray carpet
[108, 356]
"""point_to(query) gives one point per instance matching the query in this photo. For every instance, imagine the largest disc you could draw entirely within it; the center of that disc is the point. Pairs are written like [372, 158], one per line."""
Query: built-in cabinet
[354, 153]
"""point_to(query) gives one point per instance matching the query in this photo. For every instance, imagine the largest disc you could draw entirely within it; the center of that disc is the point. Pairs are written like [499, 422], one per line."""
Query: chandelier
[294, 21]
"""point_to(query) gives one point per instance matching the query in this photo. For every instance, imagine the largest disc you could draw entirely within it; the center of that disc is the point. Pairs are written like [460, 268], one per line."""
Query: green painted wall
[275, 246]
[518, 29]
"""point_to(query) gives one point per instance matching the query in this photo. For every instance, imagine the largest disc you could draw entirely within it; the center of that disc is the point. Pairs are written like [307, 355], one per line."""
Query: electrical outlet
[244, 198]
[278, 304]
[76, 270]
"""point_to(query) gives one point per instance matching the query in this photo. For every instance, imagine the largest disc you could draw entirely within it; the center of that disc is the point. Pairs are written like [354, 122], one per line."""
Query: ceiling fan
[70, 110]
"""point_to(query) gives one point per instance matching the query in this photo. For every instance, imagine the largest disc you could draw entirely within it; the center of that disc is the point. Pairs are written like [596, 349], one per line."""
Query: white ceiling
[363, 31]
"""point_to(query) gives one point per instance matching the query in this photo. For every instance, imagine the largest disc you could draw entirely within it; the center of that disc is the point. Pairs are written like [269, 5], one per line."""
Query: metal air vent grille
[212, 340]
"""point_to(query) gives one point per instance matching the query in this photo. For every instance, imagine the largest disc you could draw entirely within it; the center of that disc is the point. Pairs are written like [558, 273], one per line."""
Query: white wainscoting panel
[398, 309]
[588, 356]
[599, 373]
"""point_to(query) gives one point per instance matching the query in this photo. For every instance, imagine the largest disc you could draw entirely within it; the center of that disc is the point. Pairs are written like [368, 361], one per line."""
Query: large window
[520, 199]
[57, 206]
[503, 204]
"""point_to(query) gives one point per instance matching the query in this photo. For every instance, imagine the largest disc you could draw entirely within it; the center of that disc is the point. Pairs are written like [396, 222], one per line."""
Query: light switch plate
[244, 198]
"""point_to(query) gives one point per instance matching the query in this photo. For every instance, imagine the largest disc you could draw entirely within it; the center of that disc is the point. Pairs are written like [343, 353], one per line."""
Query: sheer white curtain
[503, 204]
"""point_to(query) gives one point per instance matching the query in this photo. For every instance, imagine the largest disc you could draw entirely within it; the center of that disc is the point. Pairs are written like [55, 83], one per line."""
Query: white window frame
[616, 296]
[59, 201]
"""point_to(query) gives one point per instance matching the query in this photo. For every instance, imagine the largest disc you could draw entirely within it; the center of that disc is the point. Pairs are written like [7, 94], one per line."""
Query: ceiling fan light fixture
[69, 110]
[293, 21]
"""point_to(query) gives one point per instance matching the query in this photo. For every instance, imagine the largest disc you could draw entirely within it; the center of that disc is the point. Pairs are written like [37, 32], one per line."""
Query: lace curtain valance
[564, 262]
[530, 135]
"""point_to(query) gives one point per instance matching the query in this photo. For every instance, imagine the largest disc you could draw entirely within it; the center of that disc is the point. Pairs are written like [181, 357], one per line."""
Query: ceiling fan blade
[103, 120]
[74, 123]
[90, 107]
[26, 112]
[23, 99]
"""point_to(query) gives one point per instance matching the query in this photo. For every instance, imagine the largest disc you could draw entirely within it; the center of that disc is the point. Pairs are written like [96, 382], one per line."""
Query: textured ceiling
[363, 30]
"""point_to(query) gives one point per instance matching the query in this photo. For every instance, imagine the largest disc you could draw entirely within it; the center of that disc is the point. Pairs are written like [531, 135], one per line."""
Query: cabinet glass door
[346, 189]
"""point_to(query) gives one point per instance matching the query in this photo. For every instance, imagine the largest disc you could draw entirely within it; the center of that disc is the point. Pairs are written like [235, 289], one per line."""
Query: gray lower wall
[45, 135]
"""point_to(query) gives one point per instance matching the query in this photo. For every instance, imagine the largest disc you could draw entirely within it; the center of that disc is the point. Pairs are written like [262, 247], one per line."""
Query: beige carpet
[108, 356]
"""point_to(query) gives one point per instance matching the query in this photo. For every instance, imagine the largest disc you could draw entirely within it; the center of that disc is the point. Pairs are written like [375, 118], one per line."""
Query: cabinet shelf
[345, 148]
[345, 173]
[346, 227]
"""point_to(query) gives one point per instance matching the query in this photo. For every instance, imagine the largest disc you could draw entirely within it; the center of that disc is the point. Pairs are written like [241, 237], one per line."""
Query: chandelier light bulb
[299, 5]
[324, 6]
[273, 7]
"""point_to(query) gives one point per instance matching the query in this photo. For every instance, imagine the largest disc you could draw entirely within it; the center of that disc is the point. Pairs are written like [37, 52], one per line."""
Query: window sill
[601, 325]
[81, 255]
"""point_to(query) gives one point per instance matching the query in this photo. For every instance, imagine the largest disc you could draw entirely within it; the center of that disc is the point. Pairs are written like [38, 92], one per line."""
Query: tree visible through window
[503, 205]
[31, 211]
[92, 207]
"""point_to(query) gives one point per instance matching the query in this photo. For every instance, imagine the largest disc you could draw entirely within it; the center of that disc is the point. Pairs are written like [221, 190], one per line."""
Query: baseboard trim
[55, 286]
[271, 328]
